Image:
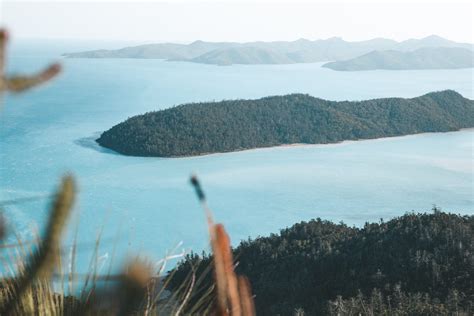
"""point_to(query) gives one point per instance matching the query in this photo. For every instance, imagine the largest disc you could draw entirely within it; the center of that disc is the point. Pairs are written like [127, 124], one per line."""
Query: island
[422, 58]
[278, 52]
[233, 125]
[243, 55]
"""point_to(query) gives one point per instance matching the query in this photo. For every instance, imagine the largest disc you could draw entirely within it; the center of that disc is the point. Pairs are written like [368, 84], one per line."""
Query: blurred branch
[21, 83]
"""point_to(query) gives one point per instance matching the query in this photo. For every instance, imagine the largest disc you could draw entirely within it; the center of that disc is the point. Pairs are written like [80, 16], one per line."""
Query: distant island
[212, 127]
[280, 52]
[422, 58]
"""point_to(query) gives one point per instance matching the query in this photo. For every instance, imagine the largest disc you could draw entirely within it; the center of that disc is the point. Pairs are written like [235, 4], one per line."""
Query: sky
[187, 20]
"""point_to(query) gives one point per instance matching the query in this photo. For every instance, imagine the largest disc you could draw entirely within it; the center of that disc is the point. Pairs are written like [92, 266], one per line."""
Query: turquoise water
[148, 202]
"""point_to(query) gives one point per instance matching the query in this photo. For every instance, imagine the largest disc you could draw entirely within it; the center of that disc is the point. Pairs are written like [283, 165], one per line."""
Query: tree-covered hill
[202, 128]
[416, 264]
[243, 55]
[422, 58]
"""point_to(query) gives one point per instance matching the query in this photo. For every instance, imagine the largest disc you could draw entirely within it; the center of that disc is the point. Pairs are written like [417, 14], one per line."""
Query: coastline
[283, 146]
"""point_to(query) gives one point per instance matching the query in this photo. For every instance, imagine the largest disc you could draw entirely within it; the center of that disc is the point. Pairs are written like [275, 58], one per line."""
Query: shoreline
[283, 146]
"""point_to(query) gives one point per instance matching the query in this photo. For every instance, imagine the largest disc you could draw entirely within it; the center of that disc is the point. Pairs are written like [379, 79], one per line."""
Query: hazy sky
[185, 21]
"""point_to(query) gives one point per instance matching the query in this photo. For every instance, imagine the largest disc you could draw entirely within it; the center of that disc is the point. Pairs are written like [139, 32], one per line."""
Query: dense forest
[201, 128]
[416, 264]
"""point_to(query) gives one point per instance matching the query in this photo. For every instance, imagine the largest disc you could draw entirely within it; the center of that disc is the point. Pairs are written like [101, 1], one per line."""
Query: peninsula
[422, 58]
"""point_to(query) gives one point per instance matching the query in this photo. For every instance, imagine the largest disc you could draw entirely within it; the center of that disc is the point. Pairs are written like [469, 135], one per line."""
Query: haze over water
[49, 131]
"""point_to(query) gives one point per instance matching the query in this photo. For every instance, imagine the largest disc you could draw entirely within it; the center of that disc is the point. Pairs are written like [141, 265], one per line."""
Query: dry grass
[40, 264]
[234, 296]
[138, 290]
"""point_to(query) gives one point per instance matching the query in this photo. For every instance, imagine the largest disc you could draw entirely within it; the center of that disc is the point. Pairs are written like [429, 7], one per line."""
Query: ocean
[146, 205]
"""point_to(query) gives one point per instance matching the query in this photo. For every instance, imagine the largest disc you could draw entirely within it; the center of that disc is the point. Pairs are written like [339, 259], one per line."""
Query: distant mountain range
[422, 58]
[299, 51]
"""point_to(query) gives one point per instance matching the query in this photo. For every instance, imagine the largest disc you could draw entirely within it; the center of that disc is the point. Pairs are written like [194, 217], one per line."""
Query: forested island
[422, 58]
[277, 52]
[211, 127]
[416, 264]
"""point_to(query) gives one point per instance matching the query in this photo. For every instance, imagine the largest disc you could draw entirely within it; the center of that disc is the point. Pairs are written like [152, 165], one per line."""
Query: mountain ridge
[298, 51]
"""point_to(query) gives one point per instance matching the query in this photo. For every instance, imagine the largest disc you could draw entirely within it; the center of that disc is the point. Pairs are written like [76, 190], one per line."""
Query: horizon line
[187, 42]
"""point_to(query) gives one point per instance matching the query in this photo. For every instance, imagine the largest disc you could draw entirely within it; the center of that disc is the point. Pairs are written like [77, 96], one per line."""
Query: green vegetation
[423, 58]
[416, 264]
[203, 128]
[280, 52]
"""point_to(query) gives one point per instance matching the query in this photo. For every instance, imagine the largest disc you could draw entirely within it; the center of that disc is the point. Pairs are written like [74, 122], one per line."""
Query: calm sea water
[148, 203]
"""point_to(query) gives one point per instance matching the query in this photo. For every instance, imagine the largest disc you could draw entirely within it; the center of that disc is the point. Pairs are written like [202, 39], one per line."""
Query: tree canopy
[416, 264]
